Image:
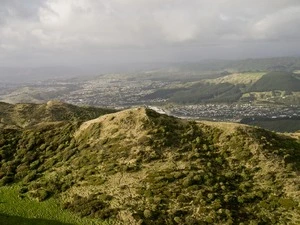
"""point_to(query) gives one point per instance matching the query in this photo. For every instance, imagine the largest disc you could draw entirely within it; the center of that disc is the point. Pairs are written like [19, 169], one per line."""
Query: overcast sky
[72, 32]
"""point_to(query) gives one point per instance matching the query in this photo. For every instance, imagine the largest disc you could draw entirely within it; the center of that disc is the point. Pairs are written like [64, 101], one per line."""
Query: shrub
[147, 213]
[30, 177]
[6, 180]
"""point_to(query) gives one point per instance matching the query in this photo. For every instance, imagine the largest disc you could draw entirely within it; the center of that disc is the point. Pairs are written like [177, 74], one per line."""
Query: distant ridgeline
[254, 81]
[140, 167]
[288, 64]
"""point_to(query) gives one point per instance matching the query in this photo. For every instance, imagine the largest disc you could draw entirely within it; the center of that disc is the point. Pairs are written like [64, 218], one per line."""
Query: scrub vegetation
[140, 167]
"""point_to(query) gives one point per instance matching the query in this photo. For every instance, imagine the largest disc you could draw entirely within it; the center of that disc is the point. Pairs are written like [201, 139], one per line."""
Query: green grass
[24, 211]
[16, 220]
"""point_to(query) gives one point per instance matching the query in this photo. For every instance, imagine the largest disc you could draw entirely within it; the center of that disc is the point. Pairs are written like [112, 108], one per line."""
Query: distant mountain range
[245, 65]
[140, 167]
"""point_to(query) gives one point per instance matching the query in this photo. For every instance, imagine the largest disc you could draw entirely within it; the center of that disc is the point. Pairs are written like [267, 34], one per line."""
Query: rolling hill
[277, 87]
[282, 81]
[140, 167]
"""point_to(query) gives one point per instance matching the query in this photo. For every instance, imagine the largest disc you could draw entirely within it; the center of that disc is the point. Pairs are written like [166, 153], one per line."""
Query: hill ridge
[140, 167]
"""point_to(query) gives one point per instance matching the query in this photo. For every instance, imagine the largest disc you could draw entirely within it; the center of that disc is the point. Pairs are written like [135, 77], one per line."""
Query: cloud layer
[41, 31]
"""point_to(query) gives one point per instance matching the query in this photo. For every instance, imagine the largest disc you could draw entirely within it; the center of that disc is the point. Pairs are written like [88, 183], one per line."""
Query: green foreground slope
[139, 167]
[16, 209]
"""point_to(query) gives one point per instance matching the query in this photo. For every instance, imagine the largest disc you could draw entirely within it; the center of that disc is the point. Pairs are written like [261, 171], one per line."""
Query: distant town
[234, 112]
[119, 92]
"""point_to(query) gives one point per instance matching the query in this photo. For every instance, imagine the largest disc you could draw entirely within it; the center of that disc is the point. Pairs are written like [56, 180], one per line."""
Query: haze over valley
[250, 90]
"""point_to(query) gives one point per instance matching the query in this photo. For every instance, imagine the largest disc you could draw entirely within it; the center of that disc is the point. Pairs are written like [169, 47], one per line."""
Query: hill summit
[140, 167]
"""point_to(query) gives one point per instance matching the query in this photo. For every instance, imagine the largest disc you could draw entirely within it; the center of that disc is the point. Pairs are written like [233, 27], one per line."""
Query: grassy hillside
[283, 81]
[16, 209]
[139, 167]
[238, 78]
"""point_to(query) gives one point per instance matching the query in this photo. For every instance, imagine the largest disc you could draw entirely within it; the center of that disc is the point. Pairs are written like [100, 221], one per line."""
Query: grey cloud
[16, 9]
[71, 29]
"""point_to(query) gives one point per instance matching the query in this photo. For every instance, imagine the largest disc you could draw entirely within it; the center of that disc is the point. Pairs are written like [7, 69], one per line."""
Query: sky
[85, 32]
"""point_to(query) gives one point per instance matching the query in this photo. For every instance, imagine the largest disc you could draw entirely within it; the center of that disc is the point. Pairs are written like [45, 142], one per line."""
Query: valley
[166, 145]
[212, 95]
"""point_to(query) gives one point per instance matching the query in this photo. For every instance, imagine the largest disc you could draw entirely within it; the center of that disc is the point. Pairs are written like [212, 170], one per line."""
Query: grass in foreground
[16, 210]
[13, 220]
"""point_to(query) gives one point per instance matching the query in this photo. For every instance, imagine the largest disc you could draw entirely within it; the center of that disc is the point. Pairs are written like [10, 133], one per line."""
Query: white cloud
[56, 13]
